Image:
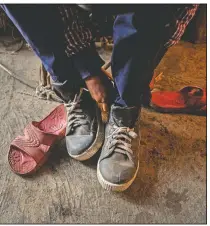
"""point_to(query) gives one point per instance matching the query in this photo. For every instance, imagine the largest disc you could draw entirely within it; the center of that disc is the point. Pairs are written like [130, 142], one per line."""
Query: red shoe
[190, 99]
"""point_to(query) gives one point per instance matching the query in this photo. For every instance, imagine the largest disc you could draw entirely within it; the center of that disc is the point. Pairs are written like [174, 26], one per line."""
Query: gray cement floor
[171, 183]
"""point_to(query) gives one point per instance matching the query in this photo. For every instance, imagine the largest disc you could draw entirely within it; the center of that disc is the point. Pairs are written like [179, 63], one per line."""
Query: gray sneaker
[85, 129]
[118, 164]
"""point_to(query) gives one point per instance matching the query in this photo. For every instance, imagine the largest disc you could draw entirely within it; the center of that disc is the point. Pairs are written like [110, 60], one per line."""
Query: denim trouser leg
[137, 51]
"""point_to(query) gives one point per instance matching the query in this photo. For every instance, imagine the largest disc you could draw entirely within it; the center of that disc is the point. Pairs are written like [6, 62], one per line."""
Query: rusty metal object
[44, 78]
[104, 111]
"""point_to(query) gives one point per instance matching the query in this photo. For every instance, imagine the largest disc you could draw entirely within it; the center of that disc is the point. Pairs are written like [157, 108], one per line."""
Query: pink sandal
[27, 153]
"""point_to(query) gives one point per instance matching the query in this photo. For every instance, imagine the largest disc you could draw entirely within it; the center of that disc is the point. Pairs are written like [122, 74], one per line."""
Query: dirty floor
[171, 183]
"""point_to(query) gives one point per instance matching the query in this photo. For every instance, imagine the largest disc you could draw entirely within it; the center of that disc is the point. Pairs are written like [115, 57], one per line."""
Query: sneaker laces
[121, 140]
[75, 114]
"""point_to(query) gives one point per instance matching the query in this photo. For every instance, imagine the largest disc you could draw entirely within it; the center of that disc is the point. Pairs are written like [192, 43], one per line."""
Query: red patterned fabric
[183, 19]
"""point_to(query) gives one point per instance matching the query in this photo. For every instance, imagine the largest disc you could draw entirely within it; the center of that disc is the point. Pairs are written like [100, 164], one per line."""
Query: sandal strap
[40, 136]
[36, 153]
[34, 142]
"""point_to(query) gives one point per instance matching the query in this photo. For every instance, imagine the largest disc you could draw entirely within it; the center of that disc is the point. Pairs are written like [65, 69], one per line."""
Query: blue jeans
[138, 48]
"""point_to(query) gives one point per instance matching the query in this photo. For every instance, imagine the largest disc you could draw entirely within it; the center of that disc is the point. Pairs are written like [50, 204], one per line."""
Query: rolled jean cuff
[88, 62]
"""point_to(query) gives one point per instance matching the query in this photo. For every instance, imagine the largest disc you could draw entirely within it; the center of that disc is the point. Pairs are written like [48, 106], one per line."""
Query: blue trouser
[138, 48]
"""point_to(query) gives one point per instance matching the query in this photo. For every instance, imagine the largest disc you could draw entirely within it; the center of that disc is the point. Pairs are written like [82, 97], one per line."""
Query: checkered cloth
[182, 20]
[79, 31]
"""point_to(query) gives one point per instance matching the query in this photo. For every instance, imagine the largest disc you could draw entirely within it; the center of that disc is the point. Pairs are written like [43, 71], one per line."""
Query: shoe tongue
[124, 116]
[88, 107]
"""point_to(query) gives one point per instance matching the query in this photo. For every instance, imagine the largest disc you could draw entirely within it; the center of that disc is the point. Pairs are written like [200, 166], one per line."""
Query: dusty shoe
[118, 164]
[84, 130]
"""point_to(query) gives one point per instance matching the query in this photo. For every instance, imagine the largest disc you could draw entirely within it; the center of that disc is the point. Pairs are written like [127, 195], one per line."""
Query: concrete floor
[171, 183]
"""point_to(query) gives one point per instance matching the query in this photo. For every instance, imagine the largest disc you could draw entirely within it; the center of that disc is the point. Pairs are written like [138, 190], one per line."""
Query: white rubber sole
[96, 145]
[115, 187]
